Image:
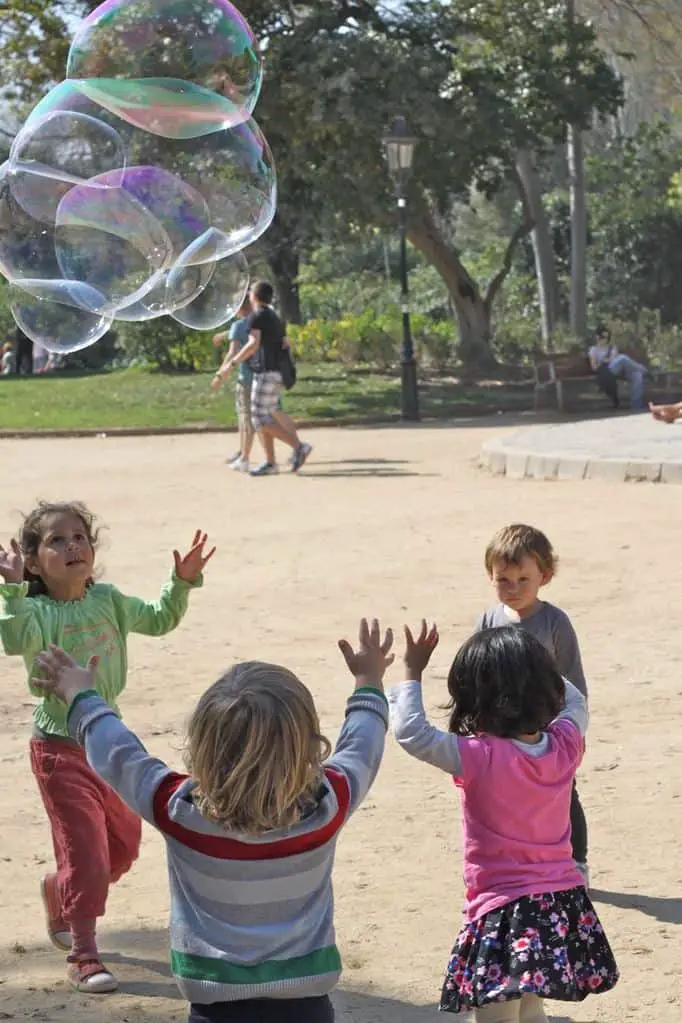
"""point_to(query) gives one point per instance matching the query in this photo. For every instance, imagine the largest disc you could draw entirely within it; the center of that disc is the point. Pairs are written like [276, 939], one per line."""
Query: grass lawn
[137, 398]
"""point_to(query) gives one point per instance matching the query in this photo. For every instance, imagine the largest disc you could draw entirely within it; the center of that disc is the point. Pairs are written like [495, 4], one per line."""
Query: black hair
[33, 529]
[602, 330]
[504, 682]
[263, 292]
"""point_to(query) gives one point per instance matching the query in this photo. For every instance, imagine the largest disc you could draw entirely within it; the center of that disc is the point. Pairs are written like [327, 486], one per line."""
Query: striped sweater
[250, 917]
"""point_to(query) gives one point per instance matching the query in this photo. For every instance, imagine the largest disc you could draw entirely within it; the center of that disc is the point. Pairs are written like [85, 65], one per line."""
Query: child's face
[65, 556]
[517, 585]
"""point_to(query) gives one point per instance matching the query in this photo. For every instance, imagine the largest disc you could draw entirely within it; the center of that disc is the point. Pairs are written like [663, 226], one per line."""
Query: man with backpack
[270, 362]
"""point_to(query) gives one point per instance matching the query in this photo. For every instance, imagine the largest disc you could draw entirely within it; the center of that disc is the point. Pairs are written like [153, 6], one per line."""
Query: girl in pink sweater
[515, 739]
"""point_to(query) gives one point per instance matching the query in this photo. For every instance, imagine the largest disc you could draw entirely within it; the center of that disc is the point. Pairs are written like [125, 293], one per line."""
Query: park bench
[552, 369]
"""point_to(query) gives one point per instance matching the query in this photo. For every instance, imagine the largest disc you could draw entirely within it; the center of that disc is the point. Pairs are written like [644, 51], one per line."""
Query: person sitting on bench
[609, 364]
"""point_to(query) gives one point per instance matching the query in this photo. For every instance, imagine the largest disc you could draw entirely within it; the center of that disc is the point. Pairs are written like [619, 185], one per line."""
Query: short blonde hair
[255, 749]
[511, 544]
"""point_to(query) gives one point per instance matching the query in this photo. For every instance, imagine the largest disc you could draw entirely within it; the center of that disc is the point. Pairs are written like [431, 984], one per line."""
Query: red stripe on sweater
[232, 849]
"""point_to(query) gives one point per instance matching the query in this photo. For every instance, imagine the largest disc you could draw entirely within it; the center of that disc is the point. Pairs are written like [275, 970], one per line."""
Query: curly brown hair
[33, 530]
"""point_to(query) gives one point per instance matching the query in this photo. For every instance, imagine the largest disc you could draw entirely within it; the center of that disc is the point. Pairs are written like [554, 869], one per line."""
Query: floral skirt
[552, 946]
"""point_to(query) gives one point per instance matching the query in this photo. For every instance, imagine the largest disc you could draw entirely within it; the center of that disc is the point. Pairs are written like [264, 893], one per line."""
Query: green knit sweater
[98, 624]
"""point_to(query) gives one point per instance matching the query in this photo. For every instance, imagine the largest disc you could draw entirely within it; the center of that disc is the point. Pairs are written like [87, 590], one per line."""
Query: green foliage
[372, 340]
[636, 226]
[166, 345]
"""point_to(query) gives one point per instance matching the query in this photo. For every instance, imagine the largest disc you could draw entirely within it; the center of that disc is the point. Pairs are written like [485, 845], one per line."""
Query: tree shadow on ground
[667, 910]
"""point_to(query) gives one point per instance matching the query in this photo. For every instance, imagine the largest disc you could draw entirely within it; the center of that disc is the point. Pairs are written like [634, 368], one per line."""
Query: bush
[167, 345]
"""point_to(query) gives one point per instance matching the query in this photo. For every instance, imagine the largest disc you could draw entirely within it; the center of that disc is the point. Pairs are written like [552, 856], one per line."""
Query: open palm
[190, 567]
[11, 563]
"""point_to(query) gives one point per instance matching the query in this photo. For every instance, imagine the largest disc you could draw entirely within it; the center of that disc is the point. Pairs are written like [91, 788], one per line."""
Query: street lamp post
[399, 144]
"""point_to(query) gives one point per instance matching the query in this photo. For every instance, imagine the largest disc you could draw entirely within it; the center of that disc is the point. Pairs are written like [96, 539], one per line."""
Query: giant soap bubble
[177, 68]
[133, 186]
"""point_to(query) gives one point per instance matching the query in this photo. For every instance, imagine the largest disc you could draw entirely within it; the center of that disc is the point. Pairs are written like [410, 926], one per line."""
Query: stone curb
[456, 412]
[502, 460]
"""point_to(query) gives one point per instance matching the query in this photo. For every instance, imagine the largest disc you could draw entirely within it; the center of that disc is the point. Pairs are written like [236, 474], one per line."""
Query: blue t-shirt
[239, 331]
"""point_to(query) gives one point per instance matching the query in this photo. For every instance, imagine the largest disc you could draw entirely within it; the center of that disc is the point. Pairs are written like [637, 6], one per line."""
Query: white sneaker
[585, 871]
[239, 465]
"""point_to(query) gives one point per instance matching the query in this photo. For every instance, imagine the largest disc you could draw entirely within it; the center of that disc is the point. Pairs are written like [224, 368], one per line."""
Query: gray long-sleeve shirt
[552, 627]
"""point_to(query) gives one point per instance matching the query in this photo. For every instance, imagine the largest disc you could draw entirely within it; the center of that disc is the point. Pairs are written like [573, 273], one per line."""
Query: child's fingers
[423, 631]
[389, 660]
[208, 556]
[93, 663]
[409, 638]
[15, 546]
[45, 684]
[347, 651]
[375, 633]
[388, 642]
[364, 632]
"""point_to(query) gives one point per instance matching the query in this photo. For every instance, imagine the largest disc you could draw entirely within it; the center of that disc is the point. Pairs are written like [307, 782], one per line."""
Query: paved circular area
[624, 448]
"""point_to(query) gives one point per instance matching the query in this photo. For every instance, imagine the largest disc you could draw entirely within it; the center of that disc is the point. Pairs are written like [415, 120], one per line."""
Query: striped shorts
[265, 392]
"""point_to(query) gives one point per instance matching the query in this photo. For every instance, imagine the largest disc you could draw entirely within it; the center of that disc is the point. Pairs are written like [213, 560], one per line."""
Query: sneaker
[239, 465]
[234, 458]
[585, 871]
[299, 456]
[57, 928]
[90, 976]
[266, 469]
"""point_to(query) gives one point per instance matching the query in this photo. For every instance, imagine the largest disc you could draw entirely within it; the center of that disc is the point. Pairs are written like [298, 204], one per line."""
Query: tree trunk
[543, 250]
[576, 168]
[473, 314]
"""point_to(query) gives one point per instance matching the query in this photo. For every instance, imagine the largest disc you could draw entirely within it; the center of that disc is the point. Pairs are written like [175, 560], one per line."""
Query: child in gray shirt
[519, 561]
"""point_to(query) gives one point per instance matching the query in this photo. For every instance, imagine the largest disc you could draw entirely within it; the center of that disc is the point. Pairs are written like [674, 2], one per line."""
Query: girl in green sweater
[49, 596]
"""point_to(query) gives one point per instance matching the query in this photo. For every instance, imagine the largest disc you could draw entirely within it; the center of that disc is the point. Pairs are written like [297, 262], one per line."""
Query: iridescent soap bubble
[233, 170]
[60, 315]
[26, 244]
[183, 214]
[179, 69]
[107, 239]
[220, 298]
[55, 152]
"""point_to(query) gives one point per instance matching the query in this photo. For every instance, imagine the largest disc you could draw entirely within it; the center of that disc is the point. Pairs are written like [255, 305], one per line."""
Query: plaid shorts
[243, 401]
[265, 392]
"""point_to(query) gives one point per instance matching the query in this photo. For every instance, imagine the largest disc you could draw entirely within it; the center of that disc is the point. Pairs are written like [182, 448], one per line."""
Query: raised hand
[418, 651]
[11, 563]
[190, 567]
[64, 676]
[369, 663]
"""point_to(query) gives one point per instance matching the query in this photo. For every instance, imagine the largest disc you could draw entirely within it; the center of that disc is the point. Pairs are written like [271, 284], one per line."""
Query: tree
[480, 81]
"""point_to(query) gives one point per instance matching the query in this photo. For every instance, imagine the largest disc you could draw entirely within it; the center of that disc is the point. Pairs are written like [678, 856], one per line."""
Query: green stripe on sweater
[324, 960]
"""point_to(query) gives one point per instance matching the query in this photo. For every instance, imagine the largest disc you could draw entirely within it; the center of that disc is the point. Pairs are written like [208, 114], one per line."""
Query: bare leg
[532, 1010]
[503, 1012]
[279, 433]
[268, 442]
[288, 424]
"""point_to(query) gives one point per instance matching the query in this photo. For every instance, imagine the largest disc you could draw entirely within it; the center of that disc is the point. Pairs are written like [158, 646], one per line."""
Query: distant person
[24, 358]
[238, 336]
[264, 349]
[666, 413]
[9, 359]
[604, 356]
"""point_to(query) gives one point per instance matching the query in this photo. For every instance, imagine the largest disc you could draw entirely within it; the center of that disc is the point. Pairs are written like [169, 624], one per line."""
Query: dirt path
[388, 522]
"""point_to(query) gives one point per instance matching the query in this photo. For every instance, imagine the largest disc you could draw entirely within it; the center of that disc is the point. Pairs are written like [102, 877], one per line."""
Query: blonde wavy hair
[255, 749]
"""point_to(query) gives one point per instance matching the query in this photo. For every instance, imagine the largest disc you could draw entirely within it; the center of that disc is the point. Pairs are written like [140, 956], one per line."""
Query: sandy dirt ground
[388, 522]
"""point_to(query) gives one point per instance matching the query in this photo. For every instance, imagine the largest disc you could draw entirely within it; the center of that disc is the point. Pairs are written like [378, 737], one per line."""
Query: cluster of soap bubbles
[135, 184]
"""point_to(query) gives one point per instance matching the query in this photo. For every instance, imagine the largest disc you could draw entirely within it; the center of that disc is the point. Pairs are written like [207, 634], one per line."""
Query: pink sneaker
[57, 928]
